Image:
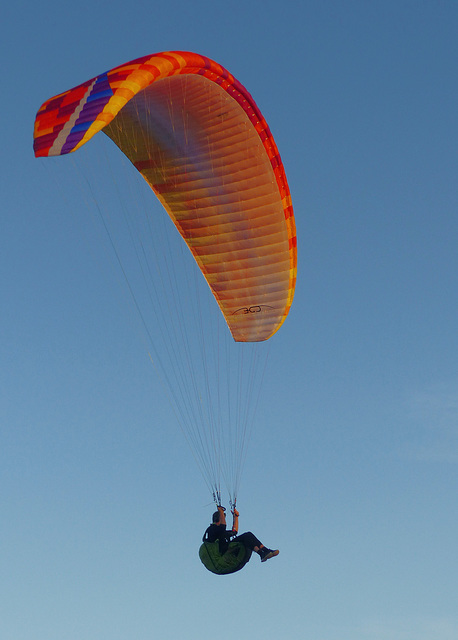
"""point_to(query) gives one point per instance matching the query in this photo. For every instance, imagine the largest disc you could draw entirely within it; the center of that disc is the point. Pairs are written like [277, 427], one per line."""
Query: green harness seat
[233, 560]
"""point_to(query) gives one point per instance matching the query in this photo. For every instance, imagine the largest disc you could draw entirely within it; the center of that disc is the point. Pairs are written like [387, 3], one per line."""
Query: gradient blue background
[352, 471]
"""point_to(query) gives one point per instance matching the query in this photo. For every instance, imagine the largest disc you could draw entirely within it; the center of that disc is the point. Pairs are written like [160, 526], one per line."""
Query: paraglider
[224, 551]
[198, 139]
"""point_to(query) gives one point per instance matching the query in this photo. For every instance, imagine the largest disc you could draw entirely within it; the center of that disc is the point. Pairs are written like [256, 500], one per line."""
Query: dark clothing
[218, 532]
[248, 539]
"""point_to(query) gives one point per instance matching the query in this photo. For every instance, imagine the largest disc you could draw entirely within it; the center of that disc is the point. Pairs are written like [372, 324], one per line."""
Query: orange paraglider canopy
[199, 140]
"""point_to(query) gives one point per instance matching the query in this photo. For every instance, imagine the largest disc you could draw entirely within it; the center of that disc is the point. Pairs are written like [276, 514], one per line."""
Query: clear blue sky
[352, 471]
